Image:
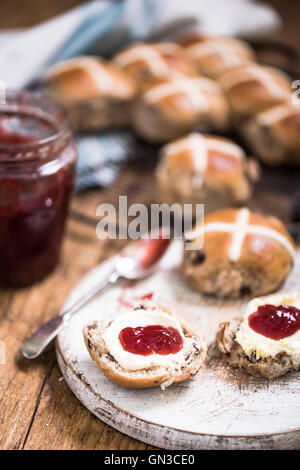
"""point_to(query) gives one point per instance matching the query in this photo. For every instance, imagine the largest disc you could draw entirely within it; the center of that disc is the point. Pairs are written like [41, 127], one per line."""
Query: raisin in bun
[206, 169]
[254, 88]
[214, 55]
[133, 370]
[174, 107]
[274, 135]
[149, 64]
[243, 253]
[96, 93]
[253, 351]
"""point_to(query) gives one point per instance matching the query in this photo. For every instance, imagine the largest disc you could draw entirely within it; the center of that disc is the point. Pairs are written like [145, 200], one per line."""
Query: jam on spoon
[275, 322]
[152, 339]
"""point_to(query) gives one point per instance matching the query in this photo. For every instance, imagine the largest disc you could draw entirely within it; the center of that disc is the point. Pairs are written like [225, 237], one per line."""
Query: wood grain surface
[37, 410]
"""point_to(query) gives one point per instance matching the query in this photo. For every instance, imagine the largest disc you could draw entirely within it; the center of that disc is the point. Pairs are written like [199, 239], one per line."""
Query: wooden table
[37, 410]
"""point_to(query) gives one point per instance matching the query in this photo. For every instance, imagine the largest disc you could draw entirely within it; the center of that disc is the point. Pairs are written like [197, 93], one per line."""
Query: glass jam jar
[37, 172]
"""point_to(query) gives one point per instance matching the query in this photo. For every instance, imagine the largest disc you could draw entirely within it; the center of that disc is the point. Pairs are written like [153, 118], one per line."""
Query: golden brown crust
[254, 88]
[96, 93]
[269, 367]
[261, 268]
[226, 335]
[80, 79]
[274, 135]
[171, 59]
[214, 55]
[228, 174]
[174, 114]
[145, 378]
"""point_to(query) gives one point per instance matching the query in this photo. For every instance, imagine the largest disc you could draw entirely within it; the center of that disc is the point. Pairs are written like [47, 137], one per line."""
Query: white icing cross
[239, 76]
[148, 54]
[276, 113]
[227, 52]
[197, 145]
[241, 228]
[193, 88]
[200, 146]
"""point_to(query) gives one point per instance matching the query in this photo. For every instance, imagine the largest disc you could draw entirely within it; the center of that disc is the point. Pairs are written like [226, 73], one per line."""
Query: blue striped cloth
[100, 156]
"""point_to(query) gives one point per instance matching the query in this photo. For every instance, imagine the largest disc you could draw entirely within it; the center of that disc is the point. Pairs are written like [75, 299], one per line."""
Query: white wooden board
[220, 408]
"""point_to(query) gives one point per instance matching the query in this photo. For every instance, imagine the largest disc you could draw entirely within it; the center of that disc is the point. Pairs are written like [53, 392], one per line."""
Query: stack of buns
[165, 90]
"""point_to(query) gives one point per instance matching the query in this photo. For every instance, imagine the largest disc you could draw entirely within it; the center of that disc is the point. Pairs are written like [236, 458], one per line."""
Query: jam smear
[122, 299]
[152, 339]
[275, 322]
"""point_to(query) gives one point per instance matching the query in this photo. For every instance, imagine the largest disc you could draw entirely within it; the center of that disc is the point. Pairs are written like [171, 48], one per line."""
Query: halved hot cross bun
[214, 55]
[205, 169]
[266, 342]
[149, 64]
[96, 93]
[254, 88]
[176, 106]
[244, 253]
[274, 134]
[145, 347]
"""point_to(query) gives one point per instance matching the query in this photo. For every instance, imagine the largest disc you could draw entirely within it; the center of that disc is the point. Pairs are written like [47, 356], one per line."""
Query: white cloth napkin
[104, 26]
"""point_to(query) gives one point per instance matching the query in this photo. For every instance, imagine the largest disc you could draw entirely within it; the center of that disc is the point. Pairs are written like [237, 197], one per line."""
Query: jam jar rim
[62, 130]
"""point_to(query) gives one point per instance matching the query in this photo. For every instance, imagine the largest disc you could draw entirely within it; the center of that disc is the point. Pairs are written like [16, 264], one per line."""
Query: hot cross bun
[266, 342]
[96, 93]
[254, 88]
[174, 107]
[274, 134]
[214, 55]
[145, 347]
[243, 253]
[207, 169]
[149, 64]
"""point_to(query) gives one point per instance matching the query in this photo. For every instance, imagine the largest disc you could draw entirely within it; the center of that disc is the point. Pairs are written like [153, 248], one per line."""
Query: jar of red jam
[37, 172]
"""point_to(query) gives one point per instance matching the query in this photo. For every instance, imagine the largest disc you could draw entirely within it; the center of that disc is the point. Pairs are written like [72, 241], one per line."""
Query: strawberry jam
[275, 322]
[153, 339]
[37, 171]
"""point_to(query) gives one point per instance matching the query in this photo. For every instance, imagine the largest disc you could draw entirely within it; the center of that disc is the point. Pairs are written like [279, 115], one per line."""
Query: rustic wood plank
[20, 14]
[61, 422]
[30, 392]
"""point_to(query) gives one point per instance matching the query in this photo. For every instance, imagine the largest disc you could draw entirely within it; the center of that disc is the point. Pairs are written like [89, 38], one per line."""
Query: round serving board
[220, 408]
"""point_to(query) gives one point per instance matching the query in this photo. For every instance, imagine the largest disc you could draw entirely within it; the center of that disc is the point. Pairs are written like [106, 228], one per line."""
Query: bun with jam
[266, 342]
[145, 347]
